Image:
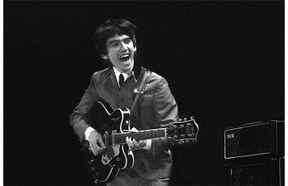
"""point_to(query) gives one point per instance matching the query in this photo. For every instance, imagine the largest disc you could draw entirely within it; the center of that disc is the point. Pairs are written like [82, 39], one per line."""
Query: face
[120, 51]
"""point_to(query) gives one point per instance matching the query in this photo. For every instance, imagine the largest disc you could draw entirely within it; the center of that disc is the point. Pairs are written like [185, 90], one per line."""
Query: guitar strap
[140, 86]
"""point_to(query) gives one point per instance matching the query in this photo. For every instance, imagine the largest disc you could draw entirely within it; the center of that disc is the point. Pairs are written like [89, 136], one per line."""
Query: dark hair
[109, 29]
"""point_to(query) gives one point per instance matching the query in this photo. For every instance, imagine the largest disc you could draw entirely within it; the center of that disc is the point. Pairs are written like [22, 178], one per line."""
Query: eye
[127, 41]
[114, 44]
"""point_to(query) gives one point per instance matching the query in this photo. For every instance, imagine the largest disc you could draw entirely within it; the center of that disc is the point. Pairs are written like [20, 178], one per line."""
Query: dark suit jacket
[156, 108]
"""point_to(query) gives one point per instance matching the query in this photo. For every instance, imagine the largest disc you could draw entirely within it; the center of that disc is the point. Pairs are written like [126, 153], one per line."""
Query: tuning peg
[180, 142]
[192, 117]
[179, 119]
[185, 119]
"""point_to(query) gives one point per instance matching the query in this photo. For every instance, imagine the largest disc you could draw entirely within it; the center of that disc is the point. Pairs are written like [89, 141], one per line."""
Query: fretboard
[120, 138]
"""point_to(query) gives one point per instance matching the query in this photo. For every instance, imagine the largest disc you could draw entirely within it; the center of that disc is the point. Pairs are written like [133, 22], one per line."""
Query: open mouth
[124, 57]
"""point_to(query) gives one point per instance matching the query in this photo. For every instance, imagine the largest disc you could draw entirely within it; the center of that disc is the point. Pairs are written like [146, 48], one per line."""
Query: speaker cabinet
[257, 172]
[254, 154]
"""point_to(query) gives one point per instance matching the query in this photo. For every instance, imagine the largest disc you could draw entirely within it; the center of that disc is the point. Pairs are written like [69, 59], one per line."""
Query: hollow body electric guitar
[114, 126]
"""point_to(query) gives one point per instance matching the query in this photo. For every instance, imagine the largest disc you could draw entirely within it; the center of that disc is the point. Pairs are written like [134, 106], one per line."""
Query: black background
[224, 62]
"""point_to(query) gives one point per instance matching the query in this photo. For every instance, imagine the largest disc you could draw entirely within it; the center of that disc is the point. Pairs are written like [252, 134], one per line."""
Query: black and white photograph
[151, 93]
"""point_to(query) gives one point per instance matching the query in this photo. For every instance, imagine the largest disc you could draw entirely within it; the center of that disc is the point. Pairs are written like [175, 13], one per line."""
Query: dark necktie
[121, 80]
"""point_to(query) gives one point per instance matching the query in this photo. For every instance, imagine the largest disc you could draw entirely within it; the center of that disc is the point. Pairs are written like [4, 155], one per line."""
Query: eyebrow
[113, 40]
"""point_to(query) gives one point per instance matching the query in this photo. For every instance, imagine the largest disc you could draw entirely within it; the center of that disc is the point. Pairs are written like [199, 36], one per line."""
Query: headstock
[185, 130]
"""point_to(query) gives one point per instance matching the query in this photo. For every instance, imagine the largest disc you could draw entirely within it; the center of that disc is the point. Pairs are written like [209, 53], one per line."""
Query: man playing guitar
[156, 108]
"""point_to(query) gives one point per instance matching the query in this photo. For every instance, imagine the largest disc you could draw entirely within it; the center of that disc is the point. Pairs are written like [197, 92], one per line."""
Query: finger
[129, 142]
[96, 150]
[139, 144]
[143, 143]
[100, 149]
[96, 145]
[135, 142]
[93, 151]
[101, 143]
[134, 129]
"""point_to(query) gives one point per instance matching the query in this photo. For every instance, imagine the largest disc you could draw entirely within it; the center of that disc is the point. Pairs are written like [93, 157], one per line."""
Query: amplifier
[263, 171]
[263, 138]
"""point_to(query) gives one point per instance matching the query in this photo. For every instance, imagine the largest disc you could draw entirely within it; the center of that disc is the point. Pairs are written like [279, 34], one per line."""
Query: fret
[120, 138]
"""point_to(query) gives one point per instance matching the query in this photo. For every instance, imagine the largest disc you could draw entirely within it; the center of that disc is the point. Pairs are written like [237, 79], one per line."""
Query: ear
[104, 57]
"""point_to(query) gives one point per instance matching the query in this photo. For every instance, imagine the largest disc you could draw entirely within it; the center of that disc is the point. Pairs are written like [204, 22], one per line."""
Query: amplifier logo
[230, 136]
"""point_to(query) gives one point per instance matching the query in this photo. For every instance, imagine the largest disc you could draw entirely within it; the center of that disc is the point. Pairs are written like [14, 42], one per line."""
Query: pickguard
[110, 153]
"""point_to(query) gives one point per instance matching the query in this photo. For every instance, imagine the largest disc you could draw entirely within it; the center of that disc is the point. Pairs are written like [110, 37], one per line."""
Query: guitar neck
[120, 138]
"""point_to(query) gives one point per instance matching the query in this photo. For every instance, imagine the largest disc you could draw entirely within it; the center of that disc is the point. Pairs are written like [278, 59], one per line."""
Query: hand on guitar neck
[135, 144]
[96, 143]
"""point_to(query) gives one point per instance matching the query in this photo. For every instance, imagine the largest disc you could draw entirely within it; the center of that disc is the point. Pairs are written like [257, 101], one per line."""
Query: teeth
[125, 57]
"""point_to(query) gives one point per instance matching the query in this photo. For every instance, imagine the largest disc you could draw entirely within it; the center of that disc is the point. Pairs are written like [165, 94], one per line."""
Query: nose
[124, 46]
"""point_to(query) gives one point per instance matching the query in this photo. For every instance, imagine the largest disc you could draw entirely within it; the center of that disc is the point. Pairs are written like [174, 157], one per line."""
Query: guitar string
[120, 138]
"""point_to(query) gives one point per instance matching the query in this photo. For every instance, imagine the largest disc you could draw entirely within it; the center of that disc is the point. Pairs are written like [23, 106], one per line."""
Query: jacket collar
[135, 71]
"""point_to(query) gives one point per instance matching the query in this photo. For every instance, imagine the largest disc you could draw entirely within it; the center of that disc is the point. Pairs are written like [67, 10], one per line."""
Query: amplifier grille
[253, 139]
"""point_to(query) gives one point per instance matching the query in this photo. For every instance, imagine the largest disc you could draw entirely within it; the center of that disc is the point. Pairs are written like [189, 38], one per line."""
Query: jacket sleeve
[78, 118]
[166, 112]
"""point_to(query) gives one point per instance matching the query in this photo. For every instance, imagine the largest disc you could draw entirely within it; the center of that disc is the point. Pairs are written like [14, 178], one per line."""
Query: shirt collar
[117, 74]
